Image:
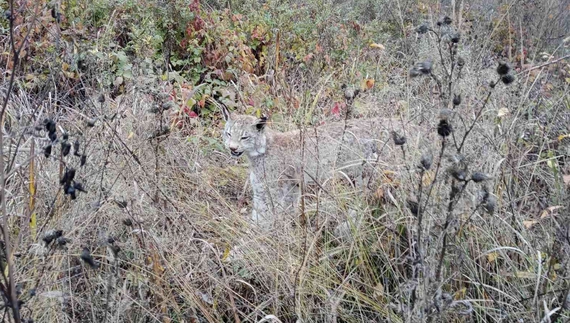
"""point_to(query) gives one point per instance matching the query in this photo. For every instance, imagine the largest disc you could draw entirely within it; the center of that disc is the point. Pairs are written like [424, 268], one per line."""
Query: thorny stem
[436, 172]
[420, 215]
[477, 116]
[450, 82]
[454, 197]
[439, 50]
[5, 231]
[304, 225]
[438, 82]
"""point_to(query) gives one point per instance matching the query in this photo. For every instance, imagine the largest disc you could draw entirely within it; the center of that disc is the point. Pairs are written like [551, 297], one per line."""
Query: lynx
[281, 161]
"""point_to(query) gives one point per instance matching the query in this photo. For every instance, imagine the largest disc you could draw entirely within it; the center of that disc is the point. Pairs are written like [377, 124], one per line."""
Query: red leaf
[336, 109]
[251, 102]
[307, 58]
[192, 114]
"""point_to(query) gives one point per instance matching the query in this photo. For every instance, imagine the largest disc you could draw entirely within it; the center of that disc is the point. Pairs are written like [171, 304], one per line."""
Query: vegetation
[119, 202]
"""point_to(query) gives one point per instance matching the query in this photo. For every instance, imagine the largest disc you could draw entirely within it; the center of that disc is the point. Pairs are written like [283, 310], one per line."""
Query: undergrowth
[120, 203]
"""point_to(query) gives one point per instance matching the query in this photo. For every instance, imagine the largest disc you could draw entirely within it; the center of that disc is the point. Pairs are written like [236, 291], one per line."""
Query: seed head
[426, 161]
[425, 67]
[413, 206]
[460, 61]
[422, 29]
[414, 72]
[65, 136]
[68, 176]
[456, 99]
[455, 37]
[490, 203]
[50, 125]
[444, 129]
[115, 249]
[350, 93]
[86, 256]
[479, 177]
[70, 190]
[62, 241]
[504, 68]
[90, 123]
[398, 140]
[47, 151]
[128, 222]
[83, 160]
[167, 105]
[508, 79]
[458, 172]
[65, 148]
[447, 20]
[51, 235]
[101, 98]
[76, 148]
[52, 136]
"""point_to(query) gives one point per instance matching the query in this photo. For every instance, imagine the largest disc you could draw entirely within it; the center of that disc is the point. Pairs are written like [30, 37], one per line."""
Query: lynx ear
[261, 122]
[225, 111]
[223, 108]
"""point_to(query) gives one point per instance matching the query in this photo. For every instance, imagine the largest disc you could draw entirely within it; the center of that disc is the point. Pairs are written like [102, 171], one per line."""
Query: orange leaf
[366, 84]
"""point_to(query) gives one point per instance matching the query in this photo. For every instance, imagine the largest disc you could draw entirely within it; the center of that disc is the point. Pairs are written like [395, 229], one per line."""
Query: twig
[477, 116]
[545, 64]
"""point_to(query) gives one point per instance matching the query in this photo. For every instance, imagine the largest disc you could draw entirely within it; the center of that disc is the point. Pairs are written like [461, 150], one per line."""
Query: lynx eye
[245, 138]
[228, 134]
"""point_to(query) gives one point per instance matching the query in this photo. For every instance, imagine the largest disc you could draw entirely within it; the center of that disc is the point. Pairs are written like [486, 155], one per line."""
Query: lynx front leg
[261, 213]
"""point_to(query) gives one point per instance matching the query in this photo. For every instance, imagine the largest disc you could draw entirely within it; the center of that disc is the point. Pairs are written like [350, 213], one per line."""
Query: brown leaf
[529, 223]
[549, 211]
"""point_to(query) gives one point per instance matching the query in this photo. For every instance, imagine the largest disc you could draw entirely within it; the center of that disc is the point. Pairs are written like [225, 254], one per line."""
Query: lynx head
[244, 134]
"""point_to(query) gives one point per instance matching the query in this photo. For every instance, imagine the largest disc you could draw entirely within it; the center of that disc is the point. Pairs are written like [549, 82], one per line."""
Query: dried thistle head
[458, 172]
[413, 206]
[508, 79]
[47, 151]
[455, 37]
[398, 140]
[504, 68]
[426, 161]
[456, 99]
[444, 128]
[421, 68]
[460, 61]
[447, 21]
[479, 177]
[459, 167]
[422, 29]
[490, 204]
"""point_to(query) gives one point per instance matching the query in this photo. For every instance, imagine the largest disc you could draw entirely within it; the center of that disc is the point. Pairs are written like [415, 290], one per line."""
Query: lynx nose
[233, 149]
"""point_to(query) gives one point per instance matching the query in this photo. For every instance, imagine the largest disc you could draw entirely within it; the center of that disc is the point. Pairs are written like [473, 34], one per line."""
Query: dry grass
[177, 209]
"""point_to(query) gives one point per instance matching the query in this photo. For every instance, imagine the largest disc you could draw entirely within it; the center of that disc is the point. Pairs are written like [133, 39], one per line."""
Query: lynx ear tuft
[260, 125]
[223, 108]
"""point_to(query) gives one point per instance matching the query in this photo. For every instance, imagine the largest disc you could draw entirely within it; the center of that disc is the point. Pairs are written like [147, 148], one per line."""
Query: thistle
[398, 140]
